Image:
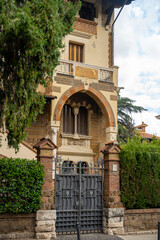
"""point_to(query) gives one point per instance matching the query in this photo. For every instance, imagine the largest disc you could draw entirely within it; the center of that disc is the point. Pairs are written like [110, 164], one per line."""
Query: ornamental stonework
[86, 72]
[76, 142]
[84, 25]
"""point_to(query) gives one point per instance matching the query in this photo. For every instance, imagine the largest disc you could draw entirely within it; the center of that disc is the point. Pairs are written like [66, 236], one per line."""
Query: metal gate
[78, 196]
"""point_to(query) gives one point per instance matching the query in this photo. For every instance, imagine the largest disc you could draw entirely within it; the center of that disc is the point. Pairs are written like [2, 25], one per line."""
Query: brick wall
[19, 226]
[137, 220]
[39, 129]
[95, 132]
[85, 25]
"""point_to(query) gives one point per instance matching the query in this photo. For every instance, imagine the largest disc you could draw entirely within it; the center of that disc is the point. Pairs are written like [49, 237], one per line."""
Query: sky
[137, 53]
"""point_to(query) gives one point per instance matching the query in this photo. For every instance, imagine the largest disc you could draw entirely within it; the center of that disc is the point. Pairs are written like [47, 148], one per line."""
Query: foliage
[31, 35]
[140, 173]
[125, 122]
[20, 185]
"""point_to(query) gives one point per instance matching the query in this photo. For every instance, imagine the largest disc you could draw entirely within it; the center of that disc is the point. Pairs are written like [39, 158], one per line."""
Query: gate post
[113, 211]
[46, 216]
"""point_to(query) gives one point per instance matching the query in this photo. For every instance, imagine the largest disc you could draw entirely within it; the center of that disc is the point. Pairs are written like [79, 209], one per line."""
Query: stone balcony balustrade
[82, 70]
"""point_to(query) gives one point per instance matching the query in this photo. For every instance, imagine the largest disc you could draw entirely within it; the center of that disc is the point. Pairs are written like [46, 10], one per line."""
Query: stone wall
[140, 220]
[19, 226]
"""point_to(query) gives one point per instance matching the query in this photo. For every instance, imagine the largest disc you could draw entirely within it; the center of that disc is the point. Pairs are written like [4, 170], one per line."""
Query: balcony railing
[78, 69]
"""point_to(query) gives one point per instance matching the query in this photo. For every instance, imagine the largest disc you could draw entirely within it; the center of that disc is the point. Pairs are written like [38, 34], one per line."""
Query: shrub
[140, 173]
[20, 185]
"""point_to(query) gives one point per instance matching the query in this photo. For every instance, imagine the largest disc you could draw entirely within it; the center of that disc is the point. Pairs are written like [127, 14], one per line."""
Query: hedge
[140, 174]
[21, 183]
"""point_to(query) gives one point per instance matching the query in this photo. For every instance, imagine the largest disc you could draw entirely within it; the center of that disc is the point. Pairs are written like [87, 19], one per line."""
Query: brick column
[113, 211]
[46, 216]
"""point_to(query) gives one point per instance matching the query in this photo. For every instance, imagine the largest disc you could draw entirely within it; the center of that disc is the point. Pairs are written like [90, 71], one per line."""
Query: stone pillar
[111, 134]
[75, 112]
[54, 131]
[113, 211]
[45, 217]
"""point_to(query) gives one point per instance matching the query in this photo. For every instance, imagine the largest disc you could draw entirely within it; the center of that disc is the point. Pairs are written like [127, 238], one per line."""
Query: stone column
[54, 131]
[46, 216]
[75, 112]
[113, 211]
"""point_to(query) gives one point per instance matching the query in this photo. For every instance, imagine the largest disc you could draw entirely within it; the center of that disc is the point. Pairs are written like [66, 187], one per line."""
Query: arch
[96, 95]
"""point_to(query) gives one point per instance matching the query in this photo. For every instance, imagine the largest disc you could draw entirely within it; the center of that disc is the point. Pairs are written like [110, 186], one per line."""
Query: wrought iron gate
[78, 196]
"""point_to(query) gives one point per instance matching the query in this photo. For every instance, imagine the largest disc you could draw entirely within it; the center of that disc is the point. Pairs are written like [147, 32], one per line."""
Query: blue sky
[137, 53]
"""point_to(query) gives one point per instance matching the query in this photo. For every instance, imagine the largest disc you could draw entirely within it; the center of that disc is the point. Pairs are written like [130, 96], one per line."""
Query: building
[141, 131]
[83, 116]
[81, 110]
[80, 115]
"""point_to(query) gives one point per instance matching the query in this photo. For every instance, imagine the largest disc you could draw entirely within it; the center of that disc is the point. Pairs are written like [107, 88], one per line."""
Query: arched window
[82, 121]
[68, 119]
[84, 167]
[67, 167]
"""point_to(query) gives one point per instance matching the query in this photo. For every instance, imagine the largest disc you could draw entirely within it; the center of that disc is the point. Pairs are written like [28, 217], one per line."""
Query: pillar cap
[45, 143]
[111, 147]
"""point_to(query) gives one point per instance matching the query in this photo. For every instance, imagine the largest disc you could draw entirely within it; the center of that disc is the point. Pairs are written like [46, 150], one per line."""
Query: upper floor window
[87, 11]
[75, 52]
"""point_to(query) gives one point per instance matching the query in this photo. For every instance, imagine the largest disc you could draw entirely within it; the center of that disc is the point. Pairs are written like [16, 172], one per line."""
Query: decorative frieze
[76, 142]
[84, 25]
[86, 72]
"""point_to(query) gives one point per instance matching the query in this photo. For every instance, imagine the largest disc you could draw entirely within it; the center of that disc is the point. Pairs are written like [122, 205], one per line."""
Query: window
[76, 52]
[75, 122]
[68, 119]
[87, 11]
[84, 167]
[82, 121]
[67, 167]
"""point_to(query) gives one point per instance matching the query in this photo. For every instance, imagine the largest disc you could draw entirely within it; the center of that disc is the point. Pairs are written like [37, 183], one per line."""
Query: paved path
[100, 236]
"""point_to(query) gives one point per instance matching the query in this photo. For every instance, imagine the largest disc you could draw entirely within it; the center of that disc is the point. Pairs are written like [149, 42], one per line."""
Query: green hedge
[20, 185]
[140, 174]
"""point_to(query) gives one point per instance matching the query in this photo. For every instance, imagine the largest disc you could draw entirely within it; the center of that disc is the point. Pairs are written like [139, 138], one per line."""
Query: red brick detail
[96, 95]
[84, 25]
[111, 176]
[64, 98]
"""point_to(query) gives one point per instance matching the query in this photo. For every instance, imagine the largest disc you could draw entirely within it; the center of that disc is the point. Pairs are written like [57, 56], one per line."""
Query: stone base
[113, 222]
[45, 224]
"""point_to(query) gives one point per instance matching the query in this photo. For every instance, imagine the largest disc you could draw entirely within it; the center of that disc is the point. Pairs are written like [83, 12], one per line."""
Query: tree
[125, 122]
[31, 35]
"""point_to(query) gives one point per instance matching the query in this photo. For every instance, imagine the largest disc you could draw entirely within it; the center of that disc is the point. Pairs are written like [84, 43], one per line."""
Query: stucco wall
[25, 150]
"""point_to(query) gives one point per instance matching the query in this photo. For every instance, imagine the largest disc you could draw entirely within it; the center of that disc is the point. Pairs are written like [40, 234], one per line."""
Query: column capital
[75, 110]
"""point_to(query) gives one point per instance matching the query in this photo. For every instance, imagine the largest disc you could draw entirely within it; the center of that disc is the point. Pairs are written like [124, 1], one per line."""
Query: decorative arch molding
[96, 95]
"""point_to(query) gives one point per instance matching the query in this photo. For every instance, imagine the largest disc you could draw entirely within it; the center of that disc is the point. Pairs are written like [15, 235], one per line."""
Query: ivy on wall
[20, 185]
[140, 173]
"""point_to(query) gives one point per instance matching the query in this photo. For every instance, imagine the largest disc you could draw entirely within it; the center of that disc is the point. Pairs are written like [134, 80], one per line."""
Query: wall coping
[142, 211]
[20, 215]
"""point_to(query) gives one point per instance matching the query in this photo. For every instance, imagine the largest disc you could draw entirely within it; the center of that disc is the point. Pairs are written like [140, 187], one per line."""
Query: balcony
[82, 70]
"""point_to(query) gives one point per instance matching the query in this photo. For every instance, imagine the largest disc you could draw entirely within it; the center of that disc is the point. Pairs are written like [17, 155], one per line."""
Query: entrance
[78, 196]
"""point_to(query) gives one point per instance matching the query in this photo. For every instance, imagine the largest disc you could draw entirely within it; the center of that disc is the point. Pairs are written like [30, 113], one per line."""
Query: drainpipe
[112, 31]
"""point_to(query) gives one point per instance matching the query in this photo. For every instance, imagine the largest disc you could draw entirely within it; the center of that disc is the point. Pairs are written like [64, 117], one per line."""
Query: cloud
[137, 53]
